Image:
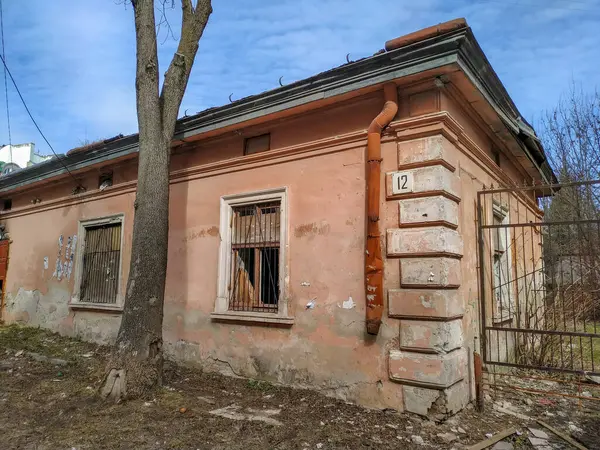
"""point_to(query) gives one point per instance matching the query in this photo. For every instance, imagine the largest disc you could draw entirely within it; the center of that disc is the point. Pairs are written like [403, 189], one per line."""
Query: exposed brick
[424, 303]
[428, 209]
[428, 370]
[431, 148]
[435, 336]
[436, 404]
[423, 241]
[435, 179]
[430, 272]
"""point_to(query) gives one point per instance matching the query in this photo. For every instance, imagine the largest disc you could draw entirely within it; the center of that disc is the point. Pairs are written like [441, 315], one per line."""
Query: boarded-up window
[101, 260]
[257, 144]
[255, 245]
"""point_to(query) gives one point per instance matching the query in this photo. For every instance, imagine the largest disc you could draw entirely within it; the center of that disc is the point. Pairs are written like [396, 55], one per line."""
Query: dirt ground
[48, 400]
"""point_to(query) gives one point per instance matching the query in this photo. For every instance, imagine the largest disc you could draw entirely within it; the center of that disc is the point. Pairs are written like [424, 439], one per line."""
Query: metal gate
[539, 277]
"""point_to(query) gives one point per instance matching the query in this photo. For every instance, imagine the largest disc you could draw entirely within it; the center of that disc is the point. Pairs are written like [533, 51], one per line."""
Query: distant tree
[136, 363]
[571, 138]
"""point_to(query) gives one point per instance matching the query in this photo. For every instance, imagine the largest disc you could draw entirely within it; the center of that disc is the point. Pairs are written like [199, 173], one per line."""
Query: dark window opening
[7, 205]
[105, 180]
[255, 244]
[101, 259]
[257, 144]
[496, 154]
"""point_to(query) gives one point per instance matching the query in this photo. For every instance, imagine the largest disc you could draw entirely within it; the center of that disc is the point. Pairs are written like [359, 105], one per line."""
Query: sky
[74, 61]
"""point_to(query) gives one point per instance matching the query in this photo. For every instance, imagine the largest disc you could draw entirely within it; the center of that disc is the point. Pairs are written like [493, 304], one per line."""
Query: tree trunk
[135, 366]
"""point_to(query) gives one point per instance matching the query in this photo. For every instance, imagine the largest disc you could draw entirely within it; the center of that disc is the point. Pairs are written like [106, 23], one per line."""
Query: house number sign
[402, 182]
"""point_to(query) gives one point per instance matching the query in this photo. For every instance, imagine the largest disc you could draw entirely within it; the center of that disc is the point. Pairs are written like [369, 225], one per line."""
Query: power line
[33, 120]
[5, 81]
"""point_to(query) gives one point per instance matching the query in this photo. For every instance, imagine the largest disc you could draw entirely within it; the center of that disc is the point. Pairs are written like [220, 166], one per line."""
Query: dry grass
[48, 407]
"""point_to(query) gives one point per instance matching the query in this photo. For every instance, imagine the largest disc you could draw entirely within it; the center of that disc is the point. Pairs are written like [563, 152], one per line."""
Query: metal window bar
[550, 285]
[101, 257]
[255, 244]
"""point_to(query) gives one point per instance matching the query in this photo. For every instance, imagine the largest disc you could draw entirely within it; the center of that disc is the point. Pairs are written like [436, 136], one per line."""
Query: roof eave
[456, 48]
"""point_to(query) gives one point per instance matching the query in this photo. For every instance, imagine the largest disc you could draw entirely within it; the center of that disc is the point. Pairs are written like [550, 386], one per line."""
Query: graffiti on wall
[63, 267]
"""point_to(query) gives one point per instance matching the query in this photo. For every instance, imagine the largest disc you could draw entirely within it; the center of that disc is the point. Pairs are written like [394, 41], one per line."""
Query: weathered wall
[421, 359]
[444, 148]
[319, 157]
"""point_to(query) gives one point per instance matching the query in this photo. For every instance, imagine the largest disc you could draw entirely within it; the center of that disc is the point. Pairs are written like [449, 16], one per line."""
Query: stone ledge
[422, 151]
[431, 336]
[243, 316]
[423, 211]
[436, 272]
[425, 304]
[428, 370]
[428, 181]
[425, 241]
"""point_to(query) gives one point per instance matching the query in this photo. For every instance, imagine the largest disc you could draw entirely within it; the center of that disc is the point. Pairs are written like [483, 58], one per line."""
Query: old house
[280, 204]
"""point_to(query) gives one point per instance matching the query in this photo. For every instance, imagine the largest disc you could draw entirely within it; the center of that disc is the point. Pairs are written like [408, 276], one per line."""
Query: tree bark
[135, 366]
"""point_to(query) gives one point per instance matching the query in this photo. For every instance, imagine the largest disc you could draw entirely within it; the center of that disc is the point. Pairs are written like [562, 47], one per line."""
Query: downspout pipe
[373, 258]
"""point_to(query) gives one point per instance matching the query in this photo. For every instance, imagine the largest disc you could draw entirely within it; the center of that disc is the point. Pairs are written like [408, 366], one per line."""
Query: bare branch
[164, 20]
[193, 22]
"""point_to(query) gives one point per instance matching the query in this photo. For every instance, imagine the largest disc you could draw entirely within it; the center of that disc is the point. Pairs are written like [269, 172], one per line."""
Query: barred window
[255, 246]
[100, 262]
[253, 265]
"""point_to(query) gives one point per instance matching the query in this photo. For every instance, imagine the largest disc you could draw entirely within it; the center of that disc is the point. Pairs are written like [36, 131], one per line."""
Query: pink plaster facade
[430, 327]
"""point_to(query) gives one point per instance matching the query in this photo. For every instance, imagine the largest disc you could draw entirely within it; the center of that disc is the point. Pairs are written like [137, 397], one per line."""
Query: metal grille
[539, 262]
[101, 257]
[255, 243]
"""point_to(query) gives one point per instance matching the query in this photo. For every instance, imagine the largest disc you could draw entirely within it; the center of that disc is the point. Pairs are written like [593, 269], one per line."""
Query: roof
[434, 47]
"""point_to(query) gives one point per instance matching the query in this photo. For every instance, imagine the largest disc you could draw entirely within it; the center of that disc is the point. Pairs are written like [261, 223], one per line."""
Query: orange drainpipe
[373, 259]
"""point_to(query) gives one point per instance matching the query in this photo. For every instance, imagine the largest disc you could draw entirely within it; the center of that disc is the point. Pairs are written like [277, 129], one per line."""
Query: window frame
[221, 310]
[503, 257]
[81, 235]
[249, 139]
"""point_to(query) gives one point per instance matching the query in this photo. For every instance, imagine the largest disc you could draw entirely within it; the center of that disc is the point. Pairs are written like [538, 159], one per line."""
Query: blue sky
[74, 61]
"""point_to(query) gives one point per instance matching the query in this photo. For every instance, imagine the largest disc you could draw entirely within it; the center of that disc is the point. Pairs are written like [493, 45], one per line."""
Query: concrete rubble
[236, 412]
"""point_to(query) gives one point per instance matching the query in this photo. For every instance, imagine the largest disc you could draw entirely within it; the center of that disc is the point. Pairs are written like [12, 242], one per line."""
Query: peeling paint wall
[326, 348]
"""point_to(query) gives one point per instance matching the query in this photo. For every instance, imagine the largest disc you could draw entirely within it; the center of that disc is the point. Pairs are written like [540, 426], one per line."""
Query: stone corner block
[433, 336]
[428, 370]
[436, 404]
[423, 210]
[425, 149]
[424, 241]
[424, 303]
[435, 179]
[430, 272]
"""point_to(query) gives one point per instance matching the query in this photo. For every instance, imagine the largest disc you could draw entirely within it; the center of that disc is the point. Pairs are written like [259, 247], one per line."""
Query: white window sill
[247, 316]
[100, 307]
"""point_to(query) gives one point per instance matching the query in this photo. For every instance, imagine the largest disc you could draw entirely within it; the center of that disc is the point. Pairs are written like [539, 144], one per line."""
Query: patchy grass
[36, 340]
[43, 406]
[262, 386]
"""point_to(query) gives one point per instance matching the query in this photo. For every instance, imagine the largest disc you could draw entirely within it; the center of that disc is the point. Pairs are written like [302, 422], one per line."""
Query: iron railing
[539, 274]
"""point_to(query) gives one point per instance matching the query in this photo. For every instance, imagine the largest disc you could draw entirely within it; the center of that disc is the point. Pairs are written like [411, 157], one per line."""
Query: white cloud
[74, 61]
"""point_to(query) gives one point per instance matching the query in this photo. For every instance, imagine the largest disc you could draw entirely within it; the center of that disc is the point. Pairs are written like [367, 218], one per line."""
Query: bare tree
[571, 137]
[135, 366]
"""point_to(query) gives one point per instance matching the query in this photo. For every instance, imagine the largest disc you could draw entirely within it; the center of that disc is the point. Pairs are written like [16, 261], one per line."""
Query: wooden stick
[498, 437]
[562, 435]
